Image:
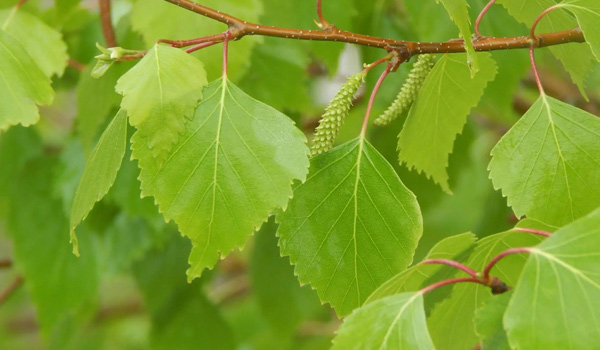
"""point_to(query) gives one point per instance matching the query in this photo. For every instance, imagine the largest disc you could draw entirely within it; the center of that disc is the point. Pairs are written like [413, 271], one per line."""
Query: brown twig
[107, 28]
[5, 263]
[16, 283]
[239, 28]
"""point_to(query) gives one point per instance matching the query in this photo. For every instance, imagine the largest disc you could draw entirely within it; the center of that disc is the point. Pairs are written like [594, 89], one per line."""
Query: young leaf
[100, 172]
[22, 85]
[459, 12]
[351, 226]
[415, 277]
[160, 94]
[548, 164]
[559, 289]
[488, 323]
[395, 322]
[233, 166]
[451, 322]
[148, 19]
[43, 43]
[588, 17]
[440, 112]
[576, 58]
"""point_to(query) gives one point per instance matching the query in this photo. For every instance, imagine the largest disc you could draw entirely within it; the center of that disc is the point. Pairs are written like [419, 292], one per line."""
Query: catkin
[410, 90]
[334, 116]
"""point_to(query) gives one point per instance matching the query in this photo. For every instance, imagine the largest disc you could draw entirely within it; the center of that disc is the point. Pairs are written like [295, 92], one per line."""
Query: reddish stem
[16, 283]
[534, 43]
[323, 24]
[372, 98]
[449, 282]
[481, 14]
[225, 53]
[497, 258]
[451, 263]
[184, 43]
[107, 28]
[532, 231]
[376, 63]
[201, 46]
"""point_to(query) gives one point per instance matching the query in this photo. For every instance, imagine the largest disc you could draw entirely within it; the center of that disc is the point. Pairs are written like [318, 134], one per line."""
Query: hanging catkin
[335, 114]
[409, 91]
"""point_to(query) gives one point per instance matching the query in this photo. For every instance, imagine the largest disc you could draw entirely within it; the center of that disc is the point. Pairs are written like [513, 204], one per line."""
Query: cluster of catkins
[409, 91]
[335, 114]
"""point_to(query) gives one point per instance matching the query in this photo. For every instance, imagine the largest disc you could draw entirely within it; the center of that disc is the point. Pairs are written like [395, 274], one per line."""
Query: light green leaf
[416, 277]
[488, 323]
[556, 304]
[395, 322]
[440, 113]
[459, 13]
[588, 17]
[43, 43]
[576, 58]
[22, 85]
[157, 19]
[548, 164]
[351, 226]
[100, 172]
[451, 322]
[160, 94]
[232, 167]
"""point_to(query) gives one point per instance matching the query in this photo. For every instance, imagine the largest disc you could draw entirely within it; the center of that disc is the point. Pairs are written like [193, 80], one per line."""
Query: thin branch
[16, 283]
[532, 48]
[497, 258]
[5, 263]
[239, 28]
[323, 24]
[480, 17]
[451, 263]
[387, 70]
[20, 3]
[107, 28]
[532, 231]
[200, 46]
[449, 282]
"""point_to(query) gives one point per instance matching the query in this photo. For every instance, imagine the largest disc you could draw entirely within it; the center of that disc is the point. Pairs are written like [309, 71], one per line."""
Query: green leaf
[90, 116]
[62, 286]
[548, 164]
[451, 323]
[576, 58]
[416, 277]
[22, 85]
[556, 304]
[232, 167]
[459, 13]
[43, 43]
[282, 301]
[351, 226]
[182, 316]
[160, 94]
[395, 322]
[100, 172]
[148, 19]
[588, 17]
[488, 323]
[440, 113]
